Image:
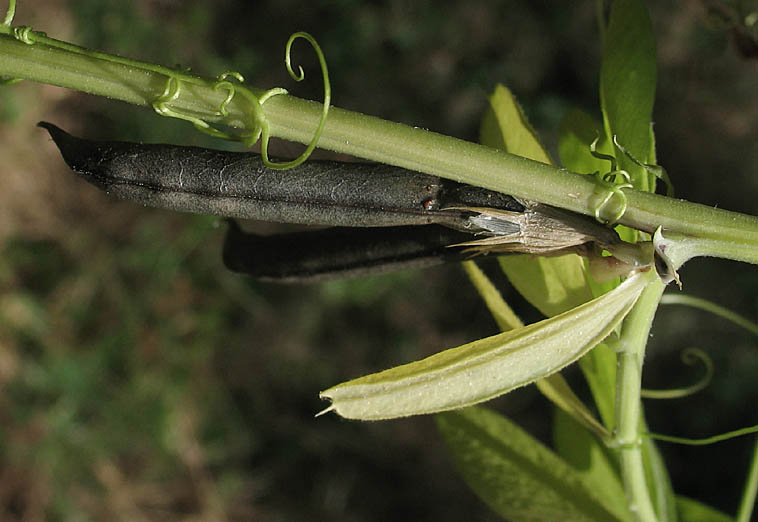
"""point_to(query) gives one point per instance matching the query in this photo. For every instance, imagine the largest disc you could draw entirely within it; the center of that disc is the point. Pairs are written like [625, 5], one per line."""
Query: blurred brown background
[141, 381]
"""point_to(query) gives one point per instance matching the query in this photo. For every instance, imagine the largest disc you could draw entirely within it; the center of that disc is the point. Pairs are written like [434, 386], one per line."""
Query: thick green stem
[375, 139]
[112, 77]
[631, 352]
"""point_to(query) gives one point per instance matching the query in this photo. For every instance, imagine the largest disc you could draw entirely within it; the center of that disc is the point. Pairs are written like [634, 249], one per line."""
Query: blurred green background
[141, 381]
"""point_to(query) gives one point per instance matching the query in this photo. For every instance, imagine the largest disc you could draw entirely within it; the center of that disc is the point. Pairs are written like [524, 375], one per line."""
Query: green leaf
[514, 474]
[591, 459]
[506, 127]
[658, 481]
[555, 285]
[693, 511]
[488, 367]
[554, 386]
[551, 284]
[627, 84]
[578, 131]
[503, 314]
[599, 369]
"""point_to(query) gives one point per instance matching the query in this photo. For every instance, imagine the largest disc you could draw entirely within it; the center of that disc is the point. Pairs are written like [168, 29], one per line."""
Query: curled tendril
[706, 441]
[10, 13]
[23, 34]
[259, 125]
[690, 356]
[234, 74]
[600, 155]
[613, 189]
[222, 83]
[608, 182]
[264, 127]
[656, 170]
[171, 93]
[708, 306]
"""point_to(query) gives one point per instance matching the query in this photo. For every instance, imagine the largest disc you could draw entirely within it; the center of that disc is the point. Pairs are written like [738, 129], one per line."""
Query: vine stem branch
[630, 355]
[734, 235]
[747, 503]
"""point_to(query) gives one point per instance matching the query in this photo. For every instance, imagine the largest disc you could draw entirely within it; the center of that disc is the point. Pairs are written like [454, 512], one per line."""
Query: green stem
[745, 511]
[631, 352]
[113, 77]
[65, 65]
